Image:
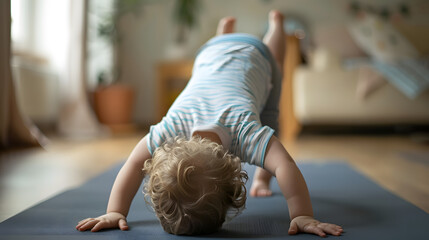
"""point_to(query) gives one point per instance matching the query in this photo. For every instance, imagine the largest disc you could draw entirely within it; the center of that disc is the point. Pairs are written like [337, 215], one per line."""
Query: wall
[40, 36]
[147, 37]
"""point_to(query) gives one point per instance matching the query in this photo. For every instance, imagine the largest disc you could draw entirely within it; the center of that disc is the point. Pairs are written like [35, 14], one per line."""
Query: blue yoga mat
[339, 194]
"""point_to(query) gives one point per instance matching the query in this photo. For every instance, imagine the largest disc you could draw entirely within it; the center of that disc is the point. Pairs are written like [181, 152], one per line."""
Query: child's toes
[264, 193]
[260, 192]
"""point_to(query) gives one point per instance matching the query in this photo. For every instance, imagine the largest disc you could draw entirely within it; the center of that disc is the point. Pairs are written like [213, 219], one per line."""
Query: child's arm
[123, 191]
[294, 188]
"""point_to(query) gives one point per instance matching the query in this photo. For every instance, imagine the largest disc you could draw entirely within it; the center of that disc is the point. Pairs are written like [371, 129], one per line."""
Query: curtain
[15, 129]
[77, 120]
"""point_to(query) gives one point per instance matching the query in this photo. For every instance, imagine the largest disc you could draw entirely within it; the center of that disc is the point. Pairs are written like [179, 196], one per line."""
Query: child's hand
[310, 225]
[109, 220]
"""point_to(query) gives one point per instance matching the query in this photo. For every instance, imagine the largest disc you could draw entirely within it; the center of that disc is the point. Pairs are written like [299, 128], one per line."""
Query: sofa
[328, 93]
[325, 91]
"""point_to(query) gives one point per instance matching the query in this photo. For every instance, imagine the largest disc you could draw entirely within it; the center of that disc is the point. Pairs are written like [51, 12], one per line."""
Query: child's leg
[226, 25]
[275, 37]
[275, 40]
[261, 183]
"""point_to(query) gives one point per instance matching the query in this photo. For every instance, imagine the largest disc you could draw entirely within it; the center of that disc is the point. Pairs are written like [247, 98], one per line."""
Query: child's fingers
[84, 220]
[88, 225]
[315, 230]
[100, 225]
[123, 224]
[81, 223]
[331, 229]
[293, 229]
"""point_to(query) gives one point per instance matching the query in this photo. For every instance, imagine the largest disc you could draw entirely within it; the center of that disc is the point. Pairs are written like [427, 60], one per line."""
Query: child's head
[192, 184]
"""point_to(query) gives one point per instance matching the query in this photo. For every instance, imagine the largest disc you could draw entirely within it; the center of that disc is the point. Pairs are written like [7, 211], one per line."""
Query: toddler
[227, 114]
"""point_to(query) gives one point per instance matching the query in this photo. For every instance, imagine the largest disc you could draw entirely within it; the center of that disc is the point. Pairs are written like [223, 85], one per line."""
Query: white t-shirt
[230, 84]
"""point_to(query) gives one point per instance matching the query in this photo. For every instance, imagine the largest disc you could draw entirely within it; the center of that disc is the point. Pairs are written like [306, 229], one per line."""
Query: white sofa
[324, 93]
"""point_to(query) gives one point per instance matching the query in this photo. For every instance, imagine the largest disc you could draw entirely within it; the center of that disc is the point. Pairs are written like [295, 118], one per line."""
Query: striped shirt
[230, 84]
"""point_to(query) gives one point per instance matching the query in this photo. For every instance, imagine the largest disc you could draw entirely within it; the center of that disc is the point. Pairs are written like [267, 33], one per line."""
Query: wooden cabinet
[172, 77]
[288, 124]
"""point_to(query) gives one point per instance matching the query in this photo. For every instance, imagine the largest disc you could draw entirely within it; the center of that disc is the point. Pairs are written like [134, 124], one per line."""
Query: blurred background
[85, 79]
[124, 42]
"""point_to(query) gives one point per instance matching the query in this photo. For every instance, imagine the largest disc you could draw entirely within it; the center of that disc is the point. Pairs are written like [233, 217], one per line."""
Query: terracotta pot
[114, 104]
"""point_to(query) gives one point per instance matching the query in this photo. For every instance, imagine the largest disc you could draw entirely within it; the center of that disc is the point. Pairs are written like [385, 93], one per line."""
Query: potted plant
[113, 104]
[114, 100]
[185, 14]
[185, 18]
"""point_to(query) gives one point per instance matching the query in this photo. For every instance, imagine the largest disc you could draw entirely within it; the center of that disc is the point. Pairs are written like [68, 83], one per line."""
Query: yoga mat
[339, 194]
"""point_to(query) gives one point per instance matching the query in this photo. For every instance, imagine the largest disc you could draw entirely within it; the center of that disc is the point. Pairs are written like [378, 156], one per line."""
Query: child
[196, 178]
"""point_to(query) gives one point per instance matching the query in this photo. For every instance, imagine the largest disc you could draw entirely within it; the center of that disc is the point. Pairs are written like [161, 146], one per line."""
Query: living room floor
[397, 162]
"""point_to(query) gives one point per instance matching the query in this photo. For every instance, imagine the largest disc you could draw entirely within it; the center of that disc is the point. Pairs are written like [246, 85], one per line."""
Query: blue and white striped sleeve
[252, 141]
[160, 133]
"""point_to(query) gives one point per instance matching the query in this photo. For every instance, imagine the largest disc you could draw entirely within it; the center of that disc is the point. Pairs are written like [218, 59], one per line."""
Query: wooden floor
[33, 175]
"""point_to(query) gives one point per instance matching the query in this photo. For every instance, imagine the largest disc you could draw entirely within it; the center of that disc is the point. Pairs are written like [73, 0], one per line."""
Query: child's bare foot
[275, 36]
[275, 17]
[260, 188]
[261, 183]
[226, 25]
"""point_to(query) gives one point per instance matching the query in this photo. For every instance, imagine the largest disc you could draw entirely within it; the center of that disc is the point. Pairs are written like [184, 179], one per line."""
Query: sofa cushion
[379, 39]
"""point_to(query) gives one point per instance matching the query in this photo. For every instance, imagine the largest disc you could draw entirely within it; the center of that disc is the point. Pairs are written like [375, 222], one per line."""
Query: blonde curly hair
[192, 185]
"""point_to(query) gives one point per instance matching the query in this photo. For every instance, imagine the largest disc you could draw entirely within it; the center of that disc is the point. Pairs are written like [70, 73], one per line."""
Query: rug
[339, 195]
